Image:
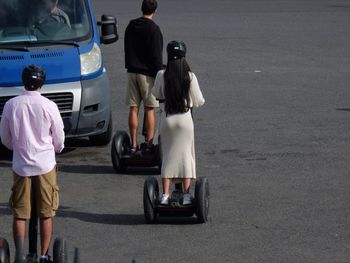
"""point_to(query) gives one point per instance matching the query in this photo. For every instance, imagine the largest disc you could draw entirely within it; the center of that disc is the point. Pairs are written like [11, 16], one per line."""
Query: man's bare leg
[150, 123]
[133, 124]
[19, 232]
[45, 234]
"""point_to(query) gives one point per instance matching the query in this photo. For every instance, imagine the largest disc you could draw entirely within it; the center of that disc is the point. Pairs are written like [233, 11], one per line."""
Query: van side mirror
[109, 32]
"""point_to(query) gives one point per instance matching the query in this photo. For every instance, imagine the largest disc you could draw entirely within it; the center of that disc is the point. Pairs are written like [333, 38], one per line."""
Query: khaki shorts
[45, 193]
[139, 89]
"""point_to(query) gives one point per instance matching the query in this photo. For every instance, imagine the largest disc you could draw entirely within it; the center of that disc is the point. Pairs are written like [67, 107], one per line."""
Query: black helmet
[33, 77]
[176, 49]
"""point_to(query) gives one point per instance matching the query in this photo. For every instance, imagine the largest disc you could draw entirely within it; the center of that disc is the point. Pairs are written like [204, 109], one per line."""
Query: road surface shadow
[176, 221]
[86, 169]
[141, 171]
[111, 219]
[124, 219]
[107, 219]
[105, 169]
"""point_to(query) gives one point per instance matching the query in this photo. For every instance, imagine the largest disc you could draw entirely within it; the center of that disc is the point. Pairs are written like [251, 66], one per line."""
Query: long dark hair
[177, 86]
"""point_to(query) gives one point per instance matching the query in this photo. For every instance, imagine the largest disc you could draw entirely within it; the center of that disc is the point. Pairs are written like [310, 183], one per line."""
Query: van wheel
[103, 138]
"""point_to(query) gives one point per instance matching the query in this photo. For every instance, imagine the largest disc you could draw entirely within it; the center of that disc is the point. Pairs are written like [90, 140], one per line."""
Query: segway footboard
[176, 210]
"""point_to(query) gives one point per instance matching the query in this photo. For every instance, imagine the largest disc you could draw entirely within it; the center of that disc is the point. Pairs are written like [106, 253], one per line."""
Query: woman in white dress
[178, 88]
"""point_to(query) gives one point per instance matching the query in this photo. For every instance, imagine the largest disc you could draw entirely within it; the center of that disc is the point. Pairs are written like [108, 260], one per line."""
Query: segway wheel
[150, 199]
[4, 251]
[76, 256]
[120, 146]
[60, 254]
[202, 199]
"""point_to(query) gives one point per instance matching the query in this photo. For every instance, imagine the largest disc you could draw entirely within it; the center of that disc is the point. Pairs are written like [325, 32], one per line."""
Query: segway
[121, 157]
[59, 254]
[153, 207]
[59, 249]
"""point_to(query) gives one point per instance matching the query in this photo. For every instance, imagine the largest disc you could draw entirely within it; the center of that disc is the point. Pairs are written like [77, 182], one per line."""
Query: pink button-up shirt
[32, 127]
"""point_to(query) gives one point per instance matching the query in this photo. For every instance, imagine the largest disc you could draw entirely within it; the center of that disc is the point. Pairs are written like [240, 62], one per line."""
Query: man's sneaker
[132, 150]
[187, 199]
[147, 148]
[45, 259]
[164, 200]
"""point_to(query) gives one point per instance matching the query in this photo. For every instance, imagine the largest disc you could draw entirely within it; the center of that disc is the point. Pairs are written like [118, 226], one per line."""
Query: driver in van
[51, 22]
[49, 13]
[58, 14]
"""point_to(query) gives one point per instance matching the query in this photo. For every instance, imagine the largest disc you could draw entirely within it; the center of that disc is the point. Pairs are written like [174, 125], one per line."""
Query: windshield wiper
[16, 48]
[53, 42]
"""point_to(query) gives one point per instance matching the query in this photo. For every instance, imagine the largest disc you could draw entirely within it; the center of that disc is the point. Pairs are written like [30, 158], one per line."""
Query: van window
[35, 20]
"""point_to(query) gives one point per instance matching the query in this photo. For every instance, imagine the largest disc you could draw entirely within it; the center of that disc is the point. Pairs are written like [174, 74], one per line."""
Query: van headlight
[91, 61]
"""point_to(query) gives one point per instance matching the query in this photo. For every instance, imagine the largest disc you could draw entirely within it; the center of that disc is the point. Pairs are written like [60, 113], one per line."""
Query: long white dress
[177, 133]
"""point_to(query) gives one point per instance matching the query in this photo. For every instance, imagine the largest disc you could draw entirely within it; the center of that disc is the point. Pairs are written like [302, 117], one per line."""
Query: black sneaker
[45, 260]
[147, 148]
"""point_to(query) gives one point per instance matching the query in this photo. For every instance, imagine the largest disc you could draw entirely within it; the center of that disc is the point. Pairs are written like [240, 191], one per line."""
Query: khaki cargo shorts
[45, 191]
[138, 89]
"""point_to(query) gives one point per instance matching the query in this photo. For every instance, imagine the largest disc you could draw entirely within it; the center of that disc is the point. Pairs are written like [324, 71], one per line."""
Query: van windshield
[39, 20]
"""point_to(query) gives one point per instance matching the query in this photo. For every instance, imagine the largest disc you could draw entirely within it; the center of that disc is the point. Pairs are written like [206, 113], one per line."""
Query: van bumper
[85, 106]
[95, 108]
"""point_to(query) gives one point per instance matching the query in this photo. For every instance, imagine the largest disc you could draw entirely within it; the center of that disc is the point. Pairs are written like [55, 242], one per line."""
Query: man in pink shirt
[32, 127]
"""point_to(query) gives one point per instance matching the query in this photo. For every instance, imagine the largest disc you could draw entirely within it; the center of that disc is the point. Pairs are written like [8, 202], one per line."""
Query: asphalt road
[273, 139]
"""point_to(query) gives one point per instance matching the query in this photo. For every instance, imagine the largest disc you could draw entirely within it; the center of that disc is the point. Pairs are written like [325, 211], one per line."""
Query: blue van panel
[60, 65]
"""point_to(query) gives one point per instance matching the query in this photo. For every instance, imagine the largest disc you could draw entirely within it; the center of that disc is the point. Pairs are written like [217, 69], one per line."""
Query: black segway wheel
[202, 199]
[150, 199]
[4, 251]
[60, 251]
[120, 146]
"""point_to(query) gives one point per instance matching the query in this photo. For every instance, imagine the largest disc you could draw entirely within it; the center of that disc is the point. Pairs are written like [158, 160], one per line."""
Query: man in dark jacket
[143, 44]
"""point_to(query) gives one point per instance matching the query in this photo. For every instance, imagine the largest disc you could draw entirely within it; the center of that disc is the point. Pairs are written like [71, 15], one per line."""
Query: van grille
[64, 102]
[14, 57]
[47, 55]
